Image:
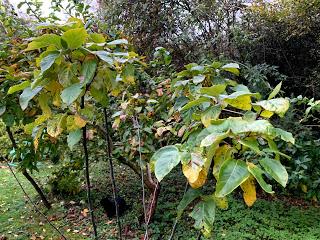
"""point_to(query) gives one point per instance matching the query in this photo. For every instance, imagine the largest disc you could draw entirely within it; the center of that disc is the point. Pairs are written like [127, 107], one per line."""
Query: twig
[227, 110]
[114, 187]
[137, 126]
[176, 221]
[146, 234]
[87, 174]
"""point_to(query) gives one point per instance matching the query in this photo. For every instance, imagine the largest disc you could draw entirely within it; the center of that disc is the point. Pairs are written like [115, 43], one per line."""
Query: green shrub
[65, 180]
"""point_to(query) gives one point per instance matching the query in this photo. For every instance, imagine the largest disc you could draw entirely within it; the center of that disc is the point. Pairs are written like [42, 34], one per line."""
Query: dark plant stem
[199, 236]
[87, 174]
[27, 175]
[114, 187]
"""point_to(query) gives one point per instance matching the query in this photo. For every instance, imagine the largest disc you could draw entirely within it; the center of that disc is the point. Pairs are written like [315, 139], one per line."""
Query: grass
[272, 220]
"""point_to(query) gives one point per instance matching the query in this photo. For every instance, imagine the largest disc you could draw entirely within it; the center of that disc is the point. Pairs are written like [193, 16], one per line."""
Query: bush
[65, 180]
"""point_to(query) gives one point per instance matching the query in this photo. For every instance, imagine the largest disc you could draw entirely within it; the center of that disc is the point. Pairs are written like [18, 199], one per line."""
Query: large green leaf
[166, 159]
[70, 94]
[275, 169]
[213, 138]
[195, 103]
[251, 143]
[118, 41]
[198, 79]
[88, 69]
[18, 87]
[214, 90]
[73, 138]
[211, 113]
[238, 125]
[48, 60]
[239, 99]
[204, 215]
[45, 41]
[104, 56]
[277, 105]
[278, 132]
[27, 95]
[257, 173]
[188, 198]
[232, 174]
[75, 38]
[232, 67]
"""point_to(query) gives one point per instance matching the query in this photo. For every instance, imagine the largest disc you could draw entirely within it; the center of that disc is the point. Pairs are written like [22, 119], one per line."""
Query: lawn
[267, 219]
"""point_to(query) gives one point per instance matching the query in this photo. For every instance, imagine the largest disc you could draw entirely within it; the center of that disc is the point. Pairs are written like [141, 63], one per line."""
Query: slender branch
[230, 111]
[199, 235]
[177, 219]
[137, 125]
[87, 174]
[114, 187]
[34, 13]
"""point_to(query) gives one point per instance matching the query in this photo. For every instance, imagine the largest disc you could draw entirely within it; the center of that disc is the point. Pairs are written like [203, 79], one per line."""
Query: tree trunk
[37, 188]
[27, 175]
[152, 185]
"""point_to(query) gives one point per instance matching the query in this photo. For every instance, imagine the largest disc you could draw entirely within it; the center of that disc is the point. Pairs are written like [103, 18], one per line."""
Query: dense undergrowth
[267, 219]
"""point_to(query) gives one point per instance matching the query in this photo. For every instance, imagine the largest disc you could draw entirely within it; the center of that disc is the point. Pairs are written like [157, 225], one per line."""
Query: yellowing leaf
[75, 123]
[304, 188]
[55, 125]
[222, 203]
[249, 191]
[277, 105]
[191, 173]
[242, 102]
[266, 114]
[75, 38]
[219, 158]
[116, 123]
[79, 121]
[195, 171]
[43, 102]
[36, 138]
[275, 91]
[212, 113]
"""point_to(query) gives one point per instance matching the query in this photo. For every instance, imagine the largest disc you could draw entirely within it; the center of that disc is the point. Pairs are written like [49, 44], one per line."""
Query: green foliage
[65, 180]
[203, 117]
[224, 141]
[284, 34]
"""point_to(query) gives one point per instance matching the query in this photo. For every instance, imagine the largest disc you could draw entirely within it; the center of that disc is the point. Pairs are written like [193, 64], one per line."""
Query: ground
[268, 219]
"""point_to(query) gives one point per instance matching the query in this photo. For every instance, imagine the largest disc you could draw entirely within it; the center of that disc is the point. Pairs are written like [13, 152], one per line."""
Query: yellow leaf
[196, 176]
[43, 102]
[36, 138]
[79, 121]
[249, 191]
[219, 158]
[266, 114]
[116, 123]
[304, 188]
[55, 125]
[241, 102]
[222, 203]
[75, 123]
[85, 212]
[115, 92]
